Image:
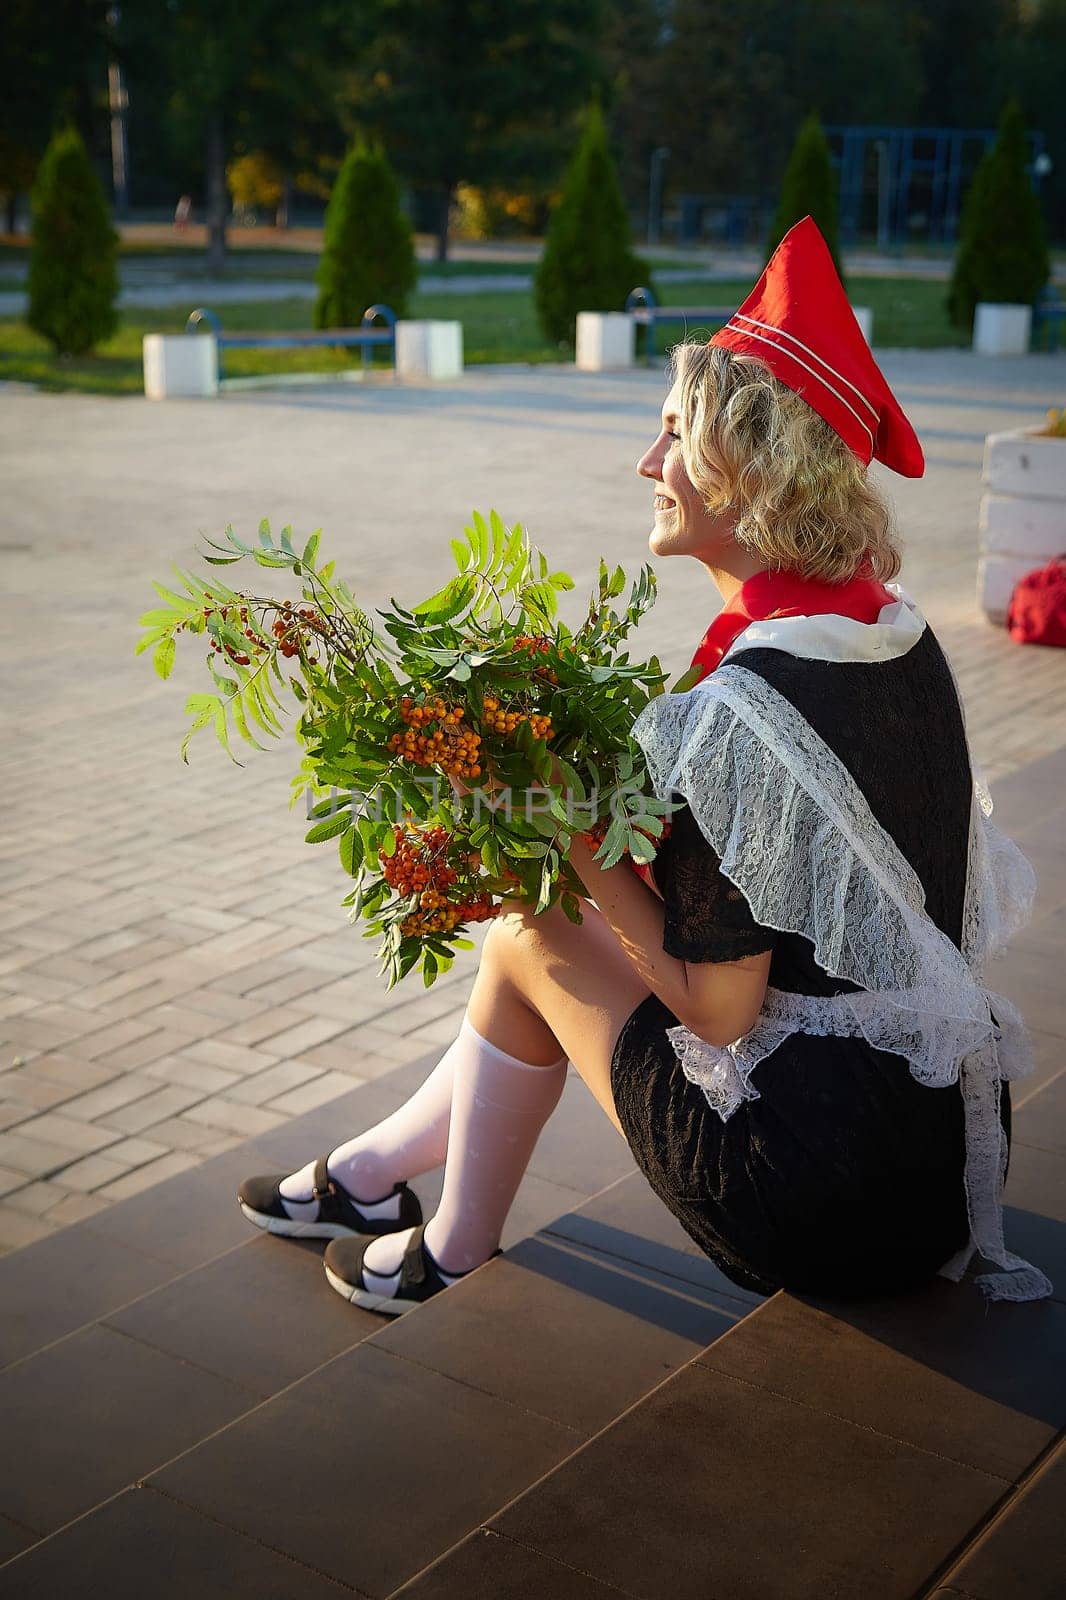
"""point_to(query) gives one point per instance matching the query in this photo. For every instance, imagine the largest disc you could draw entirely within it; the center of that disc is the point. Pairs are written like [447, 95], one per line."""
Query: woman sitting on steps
[788, 1024]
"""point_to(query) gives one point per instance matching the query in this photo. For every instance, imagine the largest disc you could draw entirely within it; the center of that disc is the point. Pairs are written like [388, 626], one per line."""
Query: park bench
[367, 336]
[1048, 313]
[648, 313]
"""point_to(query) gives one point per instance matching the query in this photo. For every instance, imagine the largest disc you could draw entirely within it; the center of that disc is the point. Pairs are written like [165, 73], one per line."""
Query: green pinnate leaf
[163, 660]
[328, 828]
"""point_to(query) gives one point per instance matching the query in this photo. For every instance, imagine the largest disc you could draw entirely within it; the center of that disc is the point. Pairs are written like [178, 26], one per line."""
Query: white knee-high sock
[413, 1139]
[499, 1107]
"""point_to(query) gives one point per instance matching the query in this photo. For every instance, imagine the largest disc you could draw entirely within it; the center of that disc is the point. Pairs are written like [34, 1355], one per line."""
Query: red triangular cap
[798, 321]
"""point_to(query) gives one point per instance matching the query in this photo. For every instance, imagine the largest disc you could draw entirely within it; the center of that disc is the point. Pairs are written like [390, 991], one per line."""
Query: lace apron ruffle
[796, 835]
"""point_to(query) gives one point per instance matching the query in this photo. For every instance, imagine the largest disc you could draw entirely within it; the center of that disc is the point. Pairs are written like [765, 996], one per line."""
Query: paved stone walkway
[176, 971]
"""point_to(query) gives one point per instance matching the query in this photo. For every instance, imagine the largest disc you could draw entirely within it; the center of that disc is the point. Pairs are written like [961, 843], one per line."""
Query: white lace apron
[796, 835]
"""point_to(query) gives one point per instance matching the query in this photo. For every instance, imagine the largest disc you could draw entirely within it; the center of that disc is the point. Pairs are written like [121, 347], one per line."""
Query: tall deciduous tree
[1002, 254]
[968, 58]
[469, 91]
[1043, 52]
[57, 55]
[243, 74]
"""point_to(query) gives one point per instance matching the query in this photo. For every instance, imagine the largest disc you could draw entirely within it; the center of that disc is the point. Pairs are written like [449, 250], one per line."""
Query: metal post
[883, 196]
[118, 102]
[655, 192]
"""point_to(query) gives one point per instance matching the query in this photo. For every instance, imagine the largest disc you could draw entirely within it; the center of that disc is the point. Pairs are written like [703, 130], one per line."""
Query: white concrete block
[429, 350]
[1022, 461]
[183, 364]
[864, 316]
[1001, 330]
[1023, 525]
[996, 579]
[606, 341]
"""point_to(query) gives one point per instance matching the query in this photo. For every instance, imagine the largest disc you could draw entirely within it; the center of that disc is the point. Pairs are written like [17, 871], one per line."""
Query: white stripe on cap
[784, 334]
[792, 356]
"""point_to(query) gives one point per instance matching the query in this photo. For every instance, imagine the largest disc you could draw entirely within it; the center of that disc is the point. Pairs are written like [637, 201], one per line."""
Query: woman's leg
[546, 991]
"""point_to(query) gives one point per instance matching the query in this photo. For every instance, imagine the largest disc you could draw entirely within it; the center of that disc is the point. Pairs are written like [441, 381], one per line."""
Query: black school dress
[845, 1176]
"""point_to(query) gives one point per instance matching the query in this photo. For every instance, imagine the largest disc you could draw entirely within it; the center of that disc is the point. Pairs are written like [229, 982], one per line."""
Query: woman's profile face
[683, 526]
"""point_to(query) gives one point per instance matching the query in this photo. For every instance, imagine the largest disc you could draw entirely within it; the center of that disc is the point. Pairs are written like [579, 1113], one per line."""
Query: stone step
[176, 1381]
[814, 1449]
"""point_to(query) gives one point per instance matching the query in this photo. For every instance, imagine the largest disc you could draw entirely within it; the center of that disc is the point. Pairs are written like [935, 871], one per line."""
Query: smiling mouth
[664, 503]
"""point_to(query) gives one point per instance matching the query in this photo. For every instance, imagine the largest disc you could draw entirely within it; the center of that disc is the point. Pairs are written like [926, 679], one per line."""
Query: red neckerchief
[781, 594]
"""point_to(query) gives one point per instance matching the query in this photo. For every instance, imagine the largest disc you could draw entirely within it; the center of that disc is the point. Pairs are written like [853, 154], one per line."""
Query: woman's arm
[716, 1000]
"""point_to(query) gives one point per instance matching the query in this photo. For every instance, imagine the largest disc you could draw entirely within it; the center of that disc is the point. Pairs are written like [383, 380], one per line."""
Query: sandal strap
[413, 1268]
[335, 1204]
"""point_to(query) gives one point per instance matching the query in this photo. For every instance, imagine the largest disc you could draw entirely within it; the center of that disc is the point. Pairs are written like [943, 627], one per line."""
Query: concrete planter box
[429, 350]
[180, 365]
[1023, 512]
[1001, 330]
[606, 341]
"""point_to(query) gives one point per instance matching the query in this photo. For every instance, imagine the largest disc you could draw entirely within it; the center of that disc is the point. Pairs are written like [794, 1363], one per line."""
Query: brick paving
[177, 974]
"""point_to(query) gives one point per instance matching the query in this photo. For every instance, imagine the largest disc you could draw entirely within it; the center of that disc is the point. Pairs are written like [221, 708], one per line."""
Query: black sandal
[419, 1275]
[339, 1214]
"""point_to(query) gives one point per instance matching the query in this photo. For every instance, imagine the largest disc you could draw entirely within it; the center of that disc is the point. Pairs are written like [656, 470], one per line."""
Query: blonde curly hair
[806, 504]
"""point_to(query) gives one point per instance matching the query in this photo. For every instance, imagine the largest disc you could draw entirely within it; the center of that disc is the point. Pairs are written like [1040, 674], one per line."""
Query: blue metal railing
[367, 336]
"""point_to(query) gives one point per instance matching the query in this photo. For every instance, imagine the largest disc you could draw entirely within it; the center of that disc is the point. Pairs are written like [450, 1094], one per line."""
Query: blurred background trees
[73, 273]
[368, 251]
[588, 262]
[479, 104]
[1002, 255]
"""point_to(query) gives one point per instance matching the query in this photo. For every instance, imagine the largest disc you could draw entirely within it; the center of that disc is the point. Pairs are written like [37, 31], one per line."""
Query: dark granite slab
[565, 1332]
[262, 1315]
[713, 1489]
[485, 1565]
[94, 1413]
[629, 1221]
[56, 1286]
[938, 1369]
[188, 1219]
[13, 1538]
[144, 1544]
[386, 1465]
[1022, 1553]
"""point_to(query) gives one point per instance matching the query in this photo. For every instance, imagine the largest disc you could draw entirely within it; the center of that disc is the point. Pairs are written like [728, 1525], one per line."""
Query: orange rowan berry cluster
[538, 644]
[500, 720]
[451, 744]
[419, 866]
[227, 613]
[293, 624]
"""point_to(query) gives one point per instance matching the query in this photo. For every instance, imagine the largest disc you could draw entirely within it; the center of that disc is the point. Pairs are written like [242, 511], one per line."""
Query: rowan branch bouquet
[452, 750]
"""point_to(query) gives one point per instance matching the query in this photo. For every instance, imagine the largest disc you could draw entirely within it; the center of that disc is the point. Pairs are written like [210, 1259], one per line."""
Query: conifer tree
[809, 188]
[1002, 255]
[588, 262]
[368, 252]
[73, 274]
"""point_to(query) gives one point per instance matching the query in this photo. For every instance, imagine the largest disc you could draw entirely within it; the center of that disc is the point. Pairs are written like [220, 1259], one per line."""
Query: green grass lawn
[497, 327]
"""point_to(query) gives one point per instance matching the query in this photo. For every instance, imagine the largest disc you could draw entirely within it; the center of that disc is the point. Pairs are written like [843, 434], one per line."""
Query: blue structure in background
[938, 161]
[887, 175]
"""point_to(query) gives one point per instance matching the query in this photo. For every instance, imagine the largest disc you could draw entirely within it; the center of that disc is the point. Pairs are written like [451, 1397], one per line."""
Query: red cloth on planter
[1037, 612]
